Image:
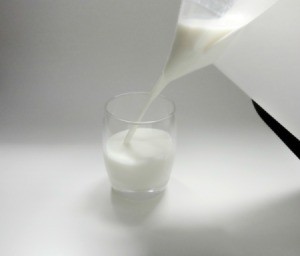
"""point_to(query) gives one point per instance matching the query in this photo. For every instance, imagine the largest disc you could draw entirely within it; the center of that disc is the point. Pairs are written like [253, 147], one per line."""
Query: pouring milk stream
[204, 29]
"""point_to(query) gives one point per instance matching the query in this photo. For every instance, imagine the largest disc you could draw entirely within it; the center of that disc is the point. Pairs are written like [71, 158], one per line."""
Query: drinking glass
[142, 165]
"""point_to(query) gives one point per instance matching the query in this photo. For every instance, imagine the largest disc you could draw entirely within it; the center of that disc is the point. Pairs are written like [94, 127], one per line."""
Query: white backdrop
[60, 60]
[234, 188]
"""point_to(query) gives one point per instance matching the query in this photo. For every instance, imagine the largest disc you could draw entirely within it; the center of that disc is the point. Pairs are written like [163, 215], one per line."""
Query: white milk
[197, 44]
[144, 164]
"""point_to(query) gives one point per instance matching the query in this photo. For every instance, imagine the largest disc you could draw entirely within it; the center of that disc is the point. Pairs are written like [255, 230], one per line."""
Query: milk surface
[144, 164]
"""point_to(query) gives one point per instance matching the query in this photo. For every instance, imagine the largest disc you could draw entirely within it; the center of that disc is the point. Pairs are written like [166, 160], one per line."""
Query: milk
[197, 44]
[142, 165]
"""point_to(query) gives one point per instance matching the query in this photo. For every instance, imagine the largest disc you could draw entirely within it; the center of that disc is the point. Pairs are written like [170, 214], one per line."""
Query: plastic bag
[205, 28]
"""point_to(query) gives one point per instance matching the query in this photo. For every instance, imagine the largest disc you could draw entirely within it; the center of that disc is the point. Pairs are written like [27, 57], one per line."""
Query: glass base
[139, 194]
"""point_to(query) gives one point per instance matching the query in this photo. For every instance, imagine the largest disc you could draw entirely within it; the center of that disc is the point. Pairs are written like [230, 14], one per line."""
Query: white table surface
[235, 187]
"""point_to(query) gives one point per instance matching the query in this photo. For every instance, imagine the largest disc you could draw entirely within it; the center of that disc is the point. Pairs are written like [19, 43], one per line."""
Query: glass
[143, 165]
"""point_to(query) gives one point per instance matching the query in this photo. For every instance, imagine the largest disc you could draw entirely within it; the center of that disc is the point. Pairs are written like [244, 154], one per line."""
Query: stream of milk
[197, 44]
[203, 31]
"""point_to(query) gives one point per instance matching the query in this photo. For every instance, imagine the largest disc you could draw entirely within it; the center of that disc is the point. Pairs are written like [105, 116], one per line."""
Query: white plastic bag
[244, 11]
[205, 28]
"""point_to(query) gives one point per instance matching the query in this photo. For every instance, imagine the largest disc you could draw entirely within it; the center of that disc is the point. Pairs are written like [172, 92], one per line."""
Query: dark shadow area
[271, 230]
[289, 139]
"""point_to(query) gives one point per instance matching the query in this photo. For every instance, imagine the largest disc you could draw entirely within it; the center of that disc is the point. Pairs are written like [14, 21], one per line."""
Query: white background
[234, 188]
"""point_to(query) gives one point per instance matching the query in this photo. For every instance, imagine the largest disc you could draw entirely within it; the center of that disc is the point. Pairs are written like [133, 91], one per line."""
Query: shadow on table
[133, 211]
[107, 204]
[273, 229]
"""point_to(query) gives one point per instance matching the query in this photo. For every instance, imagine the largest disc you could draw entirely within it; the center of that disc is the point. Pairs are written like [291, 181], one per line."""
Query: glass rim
[172, 112]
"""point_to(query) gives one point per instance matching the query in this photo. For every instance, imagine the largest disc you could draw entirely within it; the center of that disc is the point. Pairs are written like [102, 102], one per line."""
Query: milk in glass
[144, 164]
